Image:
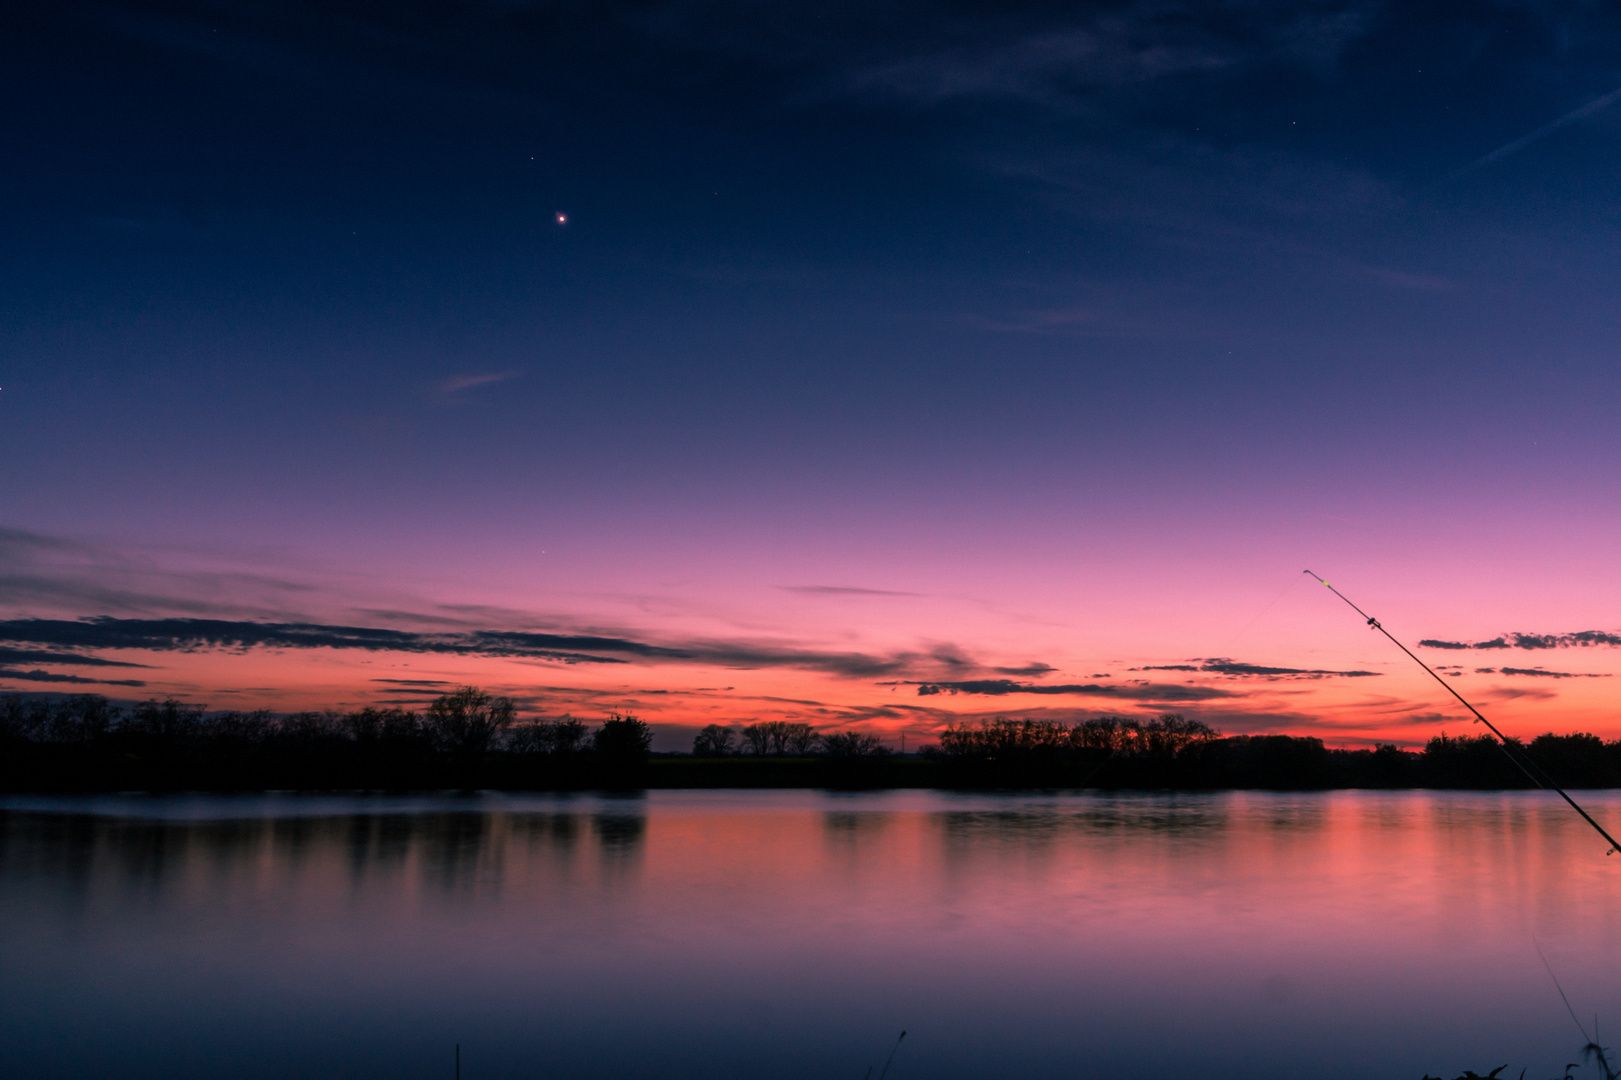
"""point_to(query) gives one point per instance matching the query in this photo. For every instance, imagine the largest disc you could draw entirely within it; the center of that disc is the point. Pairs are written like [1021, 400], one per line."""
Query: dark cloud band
[1142, 692]
[1238, 669]
[1581, 639]
[194, 635]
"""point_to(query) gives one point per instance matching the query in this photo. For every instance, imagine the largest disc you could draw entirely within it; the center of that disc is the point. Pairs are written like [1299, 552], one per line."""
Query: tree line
[469, 738]
[465, 723]
[1164, 736]
[781, 738]
[464, 738]
[1171, 751]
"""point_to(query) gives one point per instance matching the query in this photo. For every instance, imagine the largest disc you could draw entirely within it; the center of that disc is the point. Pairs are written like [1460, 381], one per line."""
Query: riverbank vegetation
[469, 739]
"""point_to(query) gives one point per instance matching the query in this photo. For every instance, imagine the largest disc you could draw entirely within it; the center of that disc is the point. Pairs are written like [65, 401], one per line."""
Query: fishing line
[1561, 989]
[1521, 760]
[1228, 648]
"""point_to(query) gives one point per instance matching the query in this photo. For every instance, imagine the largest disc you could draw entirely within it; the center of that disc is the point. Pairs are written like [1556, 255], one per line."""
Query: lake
[796, 934]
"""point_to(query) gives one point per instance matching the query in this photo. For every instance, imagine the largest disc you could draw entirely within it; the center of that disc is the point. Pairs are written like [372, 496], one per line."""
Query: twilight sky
[869, 364]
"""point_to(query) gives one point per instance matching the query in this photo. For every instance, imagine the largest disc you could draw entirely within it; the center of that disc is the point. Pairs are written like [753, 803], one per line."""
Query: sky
[877, 365]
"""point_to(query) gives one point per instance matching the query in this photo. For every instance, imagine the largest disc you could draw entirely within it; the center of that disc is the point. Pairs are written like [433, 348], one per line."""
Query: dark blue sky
[798, 235]
[283, 274]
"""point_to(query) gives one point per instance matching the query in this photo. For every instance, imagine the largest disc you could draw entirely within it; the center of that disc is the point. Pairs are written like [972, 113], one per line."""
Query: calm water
[794, 934]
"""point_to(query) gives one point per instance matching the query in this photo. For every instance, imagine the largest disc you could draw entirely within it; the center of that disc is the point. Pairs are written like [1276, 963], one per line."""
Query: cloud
[1241, 670]
[1432, 643]
[42, 656]
[1402, 279]
[1580, 639]
[38, 675]
[1603, 101]
[1507, 694]
[841, 590]
[41, 574]
[192, 635]
[1033, 670]
[1049, 67]
[466, 382]
[11, 656]
[1238, 669]
[1548, 674]
[1141, 692]
[1097, 50]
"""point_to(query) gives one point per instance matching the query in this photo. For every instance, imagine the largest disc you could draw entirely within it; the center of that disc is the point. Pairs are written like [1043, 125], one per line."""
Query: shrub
[622, 738]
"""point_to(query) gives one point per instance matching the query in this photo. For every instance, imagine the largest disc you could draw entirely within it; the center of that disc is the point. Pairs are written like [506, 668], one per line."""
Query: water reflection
[793, 934]
[457, 853]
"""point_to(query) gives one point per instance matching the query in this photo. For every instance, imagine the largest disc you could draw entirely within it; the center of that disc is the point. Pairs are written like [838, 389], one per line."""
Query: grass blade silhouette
[890, 1058]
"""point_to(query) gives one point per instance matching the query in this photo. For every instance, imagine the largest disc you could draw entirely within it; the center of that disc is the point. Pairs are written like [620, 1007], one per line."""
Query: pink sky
[873, 632]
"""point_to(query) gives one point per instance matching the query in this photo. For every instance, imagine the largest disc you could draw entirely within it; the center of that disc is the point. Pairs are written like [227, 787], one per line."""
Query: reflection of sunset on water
[1026, 931]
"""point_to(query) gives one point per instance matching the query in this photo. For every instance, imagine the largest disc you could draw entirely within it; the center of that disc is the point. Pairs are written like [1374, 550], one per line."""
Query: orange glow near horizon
[691, 641]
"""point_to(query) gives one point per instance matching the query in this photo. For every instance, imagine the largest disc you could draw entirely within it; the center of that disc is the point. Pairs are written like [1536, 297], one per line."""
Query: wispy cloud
[457, 383]
[44, 656]
[1407, 280]
[42, 676]
[1033, 670]
[1099, 49]
[1240, 670]
[194, 635]
[1581, 639]
[1167, 692]
[841, 590]
[1598, 104]
[1539, 672]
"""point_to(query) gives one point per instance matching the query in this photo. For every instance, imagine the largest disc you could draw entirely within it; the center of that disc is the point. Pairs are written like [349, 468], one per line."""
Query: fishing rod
[1522, 761]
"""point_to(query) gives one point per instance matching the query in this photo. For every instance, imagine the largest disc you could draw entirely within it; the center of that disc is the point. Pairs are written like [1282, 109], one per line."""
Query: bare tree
[757, 737]
[713, 741]
[563, 736]
[799, 739]
[777, 732]
[468, 721]
[852, 744]
[568, 735]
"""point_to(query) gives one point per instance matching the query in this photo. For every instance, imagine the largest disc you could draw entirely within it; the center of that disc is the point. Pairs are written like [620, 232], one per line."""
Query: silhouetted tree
[557, 737]
[1469, 762]
[467, 721]
[799, 739]
[165, 722]
[83, 718]
[373, 725]
[853, 744]
[1576, 760]
[757, 738]
[568, 735]
[776, 732]
[249, 730]
[622, 738]
[1171, 733]
[1003, 737]
[1010, 739]
[779, 737]
[713, 741]
[304, 727]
